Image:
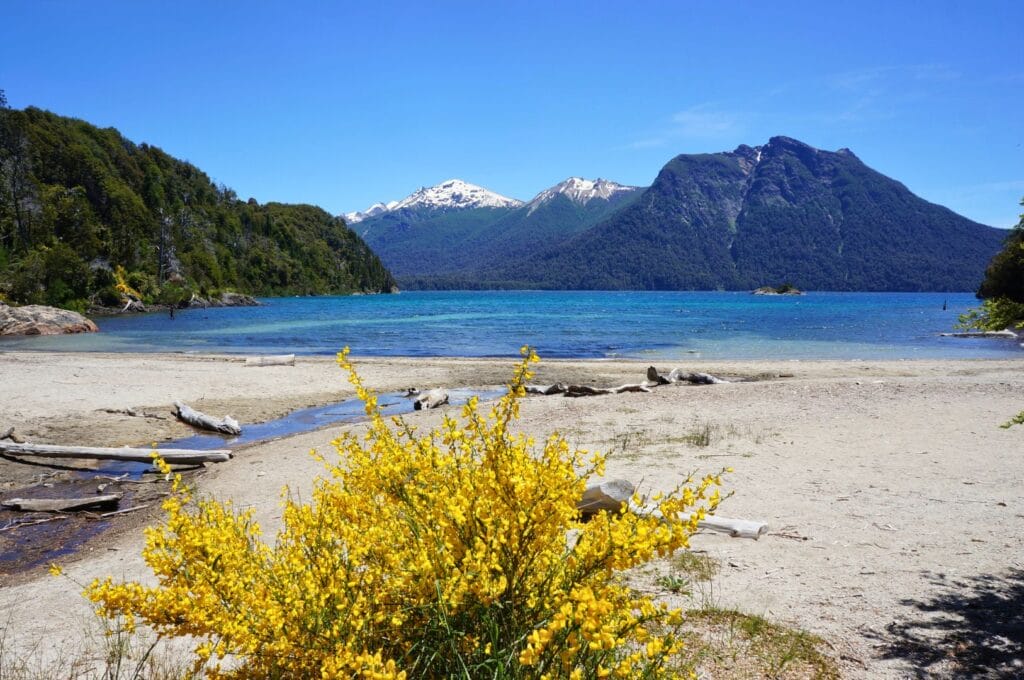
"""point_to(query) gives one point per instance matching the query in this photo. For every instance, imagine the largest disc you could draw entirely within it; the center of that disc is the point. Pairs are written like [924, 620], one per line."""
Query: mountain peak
[456, 194]
[581, 191]
[452, 194]
[782, 140]
[372, 211]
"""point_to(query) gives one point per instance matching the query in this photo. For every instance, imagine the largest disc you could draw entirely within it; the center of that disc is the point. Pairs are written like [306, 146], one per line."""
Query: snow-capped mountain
[451, 195]
[372, 211]
[455, 227]
[581, 191]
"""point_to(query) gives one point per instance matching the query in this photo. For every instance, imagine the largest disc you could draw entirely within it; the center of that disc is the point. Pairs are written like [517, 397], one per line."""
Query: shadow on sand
[973, 627]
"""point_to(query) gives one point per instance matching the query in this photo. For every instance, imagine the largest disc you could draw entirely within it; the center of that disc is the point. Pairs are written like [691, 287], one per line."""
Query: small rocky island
[784, 289]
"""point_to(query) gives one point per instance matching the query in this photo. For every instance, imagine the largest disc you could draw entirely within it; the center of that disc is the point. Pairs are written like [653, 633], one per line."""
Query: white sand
[879, 480]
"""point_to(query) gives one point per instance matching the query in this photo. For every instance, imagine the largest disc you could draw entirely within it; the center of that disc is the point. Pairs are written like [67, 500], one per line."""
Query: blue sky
[344, 104]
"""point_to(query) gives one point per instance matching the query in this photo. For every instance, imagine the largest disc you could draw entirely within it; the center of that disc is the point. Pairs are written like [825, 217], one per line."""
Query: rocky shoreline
[42, 320]
[227, 299]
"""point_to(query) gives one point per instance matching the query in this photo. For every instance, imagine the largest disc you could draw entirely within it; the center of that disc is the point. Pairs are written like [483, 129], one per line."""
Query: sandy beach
[893, 497]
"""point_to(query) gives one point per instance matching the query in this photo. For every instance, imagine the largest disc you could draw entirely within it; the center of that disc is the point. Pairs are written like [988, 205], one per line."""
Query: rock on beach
[42, 320]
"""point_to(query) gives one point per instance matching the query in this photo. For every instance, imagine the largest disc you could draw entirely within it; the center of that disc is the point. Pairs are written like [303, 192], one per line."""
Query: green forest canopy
[77, 202]
[1003, 287]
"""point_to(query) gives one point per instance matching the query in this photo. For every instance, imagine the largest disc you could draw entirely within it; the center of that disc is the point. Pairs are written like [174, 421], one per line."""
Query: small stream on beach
[28, 545]
[299, 421]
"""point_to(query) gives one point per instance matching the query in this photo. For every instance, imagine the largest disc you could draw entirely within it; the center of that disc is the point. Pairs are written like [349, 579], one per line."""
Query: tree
[16, 185]
[1004, 277]
[1003, 287]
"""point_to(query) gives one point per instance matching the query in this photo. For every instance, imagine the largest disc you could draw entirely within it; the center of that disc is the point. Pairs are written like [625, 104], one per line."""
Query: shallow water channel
[25, 545]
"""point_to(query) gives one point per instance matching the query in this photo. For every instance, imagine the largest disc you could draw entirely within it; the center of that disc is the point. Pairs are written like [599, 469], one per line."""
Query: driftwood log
[653, 380]
[546, 390]
[677, 375]
[585, 390]
[702, 379]
[172, 456]
[109, 500]
[610, 496]
[187, 414]
[273, 360]
[134, 413]
[430, 399]
[124, 511]
[737, 528]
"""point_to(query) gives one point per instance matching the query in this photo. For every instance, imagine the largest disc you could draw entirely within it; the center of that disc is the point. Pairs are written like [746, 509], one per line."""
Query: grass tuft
[725, 643]
[696, 566]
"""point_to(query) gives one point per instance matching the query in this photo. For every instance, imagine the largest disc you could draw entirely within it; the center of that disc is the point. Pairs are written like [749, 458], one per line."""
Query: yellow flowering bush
[121, 284]
[455, 553]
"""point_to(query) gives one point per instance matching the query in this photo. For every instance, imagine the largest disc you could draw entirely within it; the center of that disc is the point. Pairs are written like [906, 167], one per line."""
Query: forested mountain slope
[782, 212]
[80, 205]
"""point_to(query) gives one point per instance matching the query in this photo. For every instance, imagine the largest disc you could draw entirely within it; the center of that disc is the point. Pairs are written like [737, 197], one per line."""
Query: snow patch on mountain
[372, 211]
[451, 195]
[458, 195]
[580, 191]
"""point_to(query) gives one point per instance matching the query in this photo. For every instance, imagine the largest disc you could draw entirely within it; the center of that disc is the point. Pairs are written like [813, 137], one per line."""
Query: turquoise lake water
[584, 324]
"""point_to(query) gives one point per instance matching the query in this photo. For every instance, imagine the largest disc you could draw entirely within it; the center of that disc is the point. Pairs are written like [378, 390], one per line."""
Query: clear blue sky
[343, 104]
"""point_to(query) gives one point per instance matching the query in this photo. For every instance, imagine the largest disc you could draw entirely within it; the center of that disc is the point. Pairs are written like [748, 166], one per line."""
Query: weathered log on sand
[431, 399]
[677, 375]
[187, 414]
[631, 387]
[588, 391]
[134, 413]
[610, 495]
[172, 456]
[547, 390]
[124, 511]
[655, 377]
[273, 360]
[109, 500]
[737, 528]
[702, 379]
[584, 391]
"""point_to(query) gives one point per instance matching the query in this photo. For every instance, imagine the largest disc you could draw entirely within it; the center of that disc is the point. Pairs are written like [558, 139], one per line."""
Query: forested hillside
[83, 208]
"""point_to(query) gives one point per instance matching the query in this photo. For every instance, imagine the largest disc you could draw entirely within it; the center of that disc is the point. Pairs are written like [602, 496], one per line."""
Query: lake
[565, 324]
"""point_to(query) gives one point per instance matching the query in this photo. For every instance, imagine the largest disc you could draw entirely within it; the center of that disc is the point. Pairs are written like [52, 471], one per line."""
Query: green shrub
[144, 283]
[996, 314]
